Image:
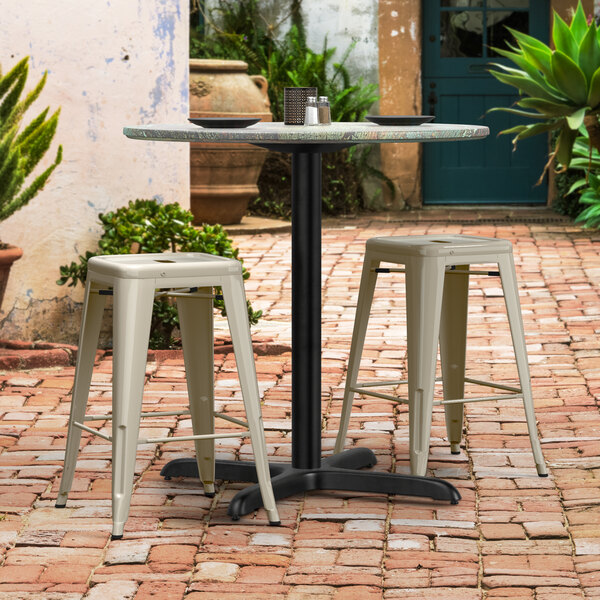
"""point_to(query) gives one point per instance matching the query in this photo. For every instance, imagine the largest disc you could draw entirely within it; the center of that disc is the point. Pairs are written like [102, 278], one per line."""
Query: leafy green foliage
[590, 195]
[243, 34]
[21, 149]
[146, 226]
[584, 186]
[566, 202]
[238, 31]
[560, 86]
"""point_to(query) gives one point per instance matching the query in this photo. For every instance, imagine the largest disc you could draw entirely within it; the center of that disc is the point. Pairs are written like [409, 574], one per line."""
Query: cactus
[22, 148]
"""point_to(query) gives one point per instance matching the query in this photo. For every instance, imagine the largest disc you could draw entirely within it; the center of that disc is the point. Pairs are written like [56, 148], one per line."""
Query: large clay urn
[8, 255]
[224, 176]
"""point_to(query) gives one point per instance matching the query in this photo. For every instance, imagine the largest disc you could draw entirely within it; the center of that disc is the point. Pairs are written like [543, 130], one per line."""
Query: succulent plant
[560, 86]
[21, 149]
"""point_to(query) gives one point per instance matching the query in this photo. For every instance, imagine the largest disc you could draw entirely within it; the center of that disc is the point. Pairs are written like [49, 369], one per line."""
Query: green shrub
[146, 226]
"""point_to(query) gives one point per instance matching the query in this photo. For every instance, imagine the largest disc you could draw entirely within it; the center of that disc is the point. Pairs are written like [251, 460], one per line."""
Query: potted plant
[21, 149]
[560, 87]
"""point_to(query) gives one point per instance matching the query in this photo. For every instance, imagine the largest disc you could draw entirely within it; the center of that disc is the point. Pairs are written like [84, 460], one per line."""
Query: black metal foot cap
[542, 474]
[116, 537]
[60, 505]
[275, 523]
[451, 452]
[210, 494]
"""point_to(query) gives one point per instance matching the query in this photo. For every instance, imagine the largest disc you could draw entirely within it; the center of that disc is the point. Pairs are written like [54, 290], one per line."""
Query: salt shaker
[311, 113]
[324, 111]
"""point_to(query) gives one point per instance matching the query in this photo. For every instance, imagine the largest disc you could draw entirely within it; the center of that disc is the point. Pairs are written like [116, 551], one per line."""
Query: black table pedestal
[307, 471]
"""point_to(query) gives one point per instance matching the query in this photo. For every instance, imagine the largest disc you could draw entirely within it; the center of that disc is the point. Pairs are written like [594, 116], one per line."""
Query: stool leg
[368, 280]
[91, 322]
[424, 289]
[132, 301]
[196, 324]
[513, 308]
[237, 316]
[453, 343]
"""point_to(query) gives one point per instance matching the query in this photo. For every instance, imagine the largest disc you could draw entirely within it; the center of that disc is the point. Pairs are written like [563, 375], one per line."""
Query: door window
[462, 33]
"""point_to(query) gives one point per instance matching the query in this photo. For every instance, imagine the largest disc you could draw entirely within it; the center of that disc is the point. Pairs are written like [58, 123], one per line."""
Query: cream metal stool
[135, 280]
[437, 286]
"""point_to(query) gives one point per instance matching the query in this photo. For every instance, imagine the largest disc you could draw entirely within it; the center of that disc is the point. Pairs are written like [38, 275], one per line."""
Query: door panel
[458, 89]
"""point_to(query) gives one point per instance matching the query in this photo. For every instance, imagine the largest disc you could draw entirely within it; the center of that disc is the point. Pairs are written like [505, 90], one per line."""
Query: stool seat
[438, 245]
[133, 281]
[437, 269]
[161, 265]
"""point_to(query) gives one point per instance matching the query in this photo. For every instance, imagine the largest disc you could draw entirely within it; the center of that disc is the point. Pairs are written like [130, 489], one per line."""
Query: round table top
[336, 133]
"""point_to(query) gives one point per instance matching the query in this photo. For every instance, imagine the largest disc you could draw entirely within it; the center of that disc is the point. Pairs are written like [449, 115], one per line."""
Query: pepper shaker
[324, 111]
[311, 114]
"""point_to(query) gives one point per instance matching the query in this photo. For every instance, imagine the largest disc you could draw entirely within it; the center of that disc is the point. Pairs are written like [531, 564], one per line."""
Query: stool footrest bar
[380, 395]
[365, 384]
[188, 438]
[182, 438]
[231, 419]
[104, 436]
[478, 399]
[451, 270]
[499, 386]
[170, 413]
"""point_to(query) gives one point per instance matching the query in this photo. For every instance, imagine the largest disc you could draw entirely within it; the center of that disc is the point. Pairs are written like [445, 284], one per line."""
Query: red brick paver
[513, 536]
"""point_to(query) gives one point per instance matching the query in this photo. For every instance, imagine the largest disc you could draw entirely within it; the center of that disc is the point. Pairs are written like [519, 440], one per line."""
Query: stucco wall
[343, 23]
[340, 22]
[110, 63]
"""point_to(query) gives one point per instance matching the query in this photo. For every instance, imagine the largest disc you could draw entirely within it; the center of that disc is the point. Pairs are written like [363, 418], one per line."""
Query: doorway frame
[400, 37]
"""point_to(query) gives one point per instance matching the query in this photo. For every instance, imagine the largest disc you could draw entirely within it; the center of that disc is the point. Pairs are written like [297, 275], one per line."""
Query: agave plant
[561, 86]
[22, 149]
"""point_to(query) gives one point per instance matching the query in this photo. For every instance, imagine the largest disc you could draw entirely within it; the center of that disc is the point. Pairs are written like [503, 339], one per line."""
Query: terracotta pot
[8, 256]
[223, 176]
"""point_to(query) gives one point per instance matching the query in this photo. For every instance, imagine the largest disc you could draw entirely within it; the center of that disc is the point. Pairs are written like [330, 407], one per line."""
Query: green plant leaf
[578, 184]
[575, 120]
[21, 152]
[522, 62]
[564, 146]
[528, 39]
[563, 38]
[516, 111]
[579, 26]
[547, 108]
[536, 129]
[515, 129]
[539, 57]
[569, 77]
[589, 53]
[593, 99]
[526, 85]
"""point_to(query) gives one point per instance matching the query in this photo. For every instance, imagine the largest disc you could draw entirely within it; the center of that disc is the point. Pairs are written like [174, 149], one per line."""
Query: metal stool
[437, 286]
[134, 280]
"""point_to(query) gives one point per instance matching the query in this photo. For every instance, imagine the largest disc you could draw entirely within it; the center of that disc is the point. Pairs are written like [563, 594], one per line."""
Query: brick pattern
[514, 536]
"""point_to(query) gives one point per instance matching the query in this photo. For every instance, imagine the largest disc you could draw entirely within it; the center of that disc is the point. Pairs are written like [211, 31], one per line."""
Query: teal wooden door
[457, 47]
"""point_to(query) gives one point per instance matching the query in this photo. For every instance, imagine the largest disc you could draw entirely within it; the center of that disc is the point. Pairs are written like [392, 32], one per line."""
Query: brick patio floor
[513, 536]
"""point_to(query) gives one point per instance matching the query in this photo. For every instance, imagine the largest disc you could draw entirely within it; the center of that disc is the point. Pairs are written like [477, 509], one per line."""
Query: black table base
[307, 471]
[337, 472]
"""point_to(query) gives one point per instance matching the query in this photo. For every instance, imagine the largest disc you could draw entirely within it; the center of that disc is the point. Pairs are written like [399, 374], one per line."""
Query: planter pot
[8, 256]
[223, 176]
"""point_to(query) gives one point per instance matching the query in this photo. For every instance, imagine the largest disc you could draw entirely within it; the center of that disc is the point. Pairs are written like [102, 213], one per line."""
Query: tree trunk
[593, 128]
